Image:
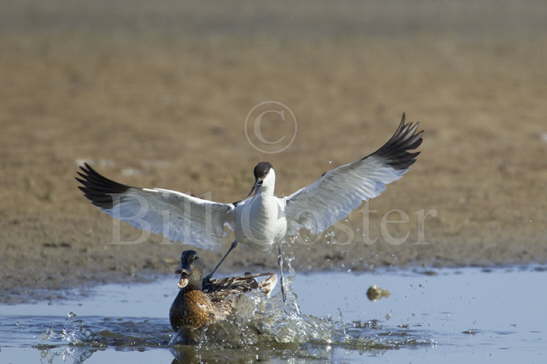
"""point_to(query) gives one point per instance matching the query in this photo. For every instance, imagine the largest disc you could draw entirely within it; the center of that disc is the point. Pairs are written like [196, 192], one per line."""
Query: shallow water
[467, 315]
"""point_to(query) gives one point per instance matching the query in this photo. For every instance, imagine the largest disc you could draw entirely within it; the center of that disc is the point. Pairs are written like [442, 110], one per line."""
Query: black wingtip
[97, 188]
[397, 150]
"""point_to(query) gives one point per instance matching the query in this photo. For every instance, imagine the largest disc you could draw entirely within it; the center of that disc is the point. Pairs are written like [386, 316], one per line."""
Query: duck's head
[191, 270]
[264, 178]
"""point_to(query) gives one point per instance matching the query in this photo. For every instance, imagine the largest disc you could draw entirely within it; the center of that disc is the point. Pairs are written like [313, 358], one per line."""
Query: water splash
[267, 330]
[271, 323]
[262, 328]
[263, 325]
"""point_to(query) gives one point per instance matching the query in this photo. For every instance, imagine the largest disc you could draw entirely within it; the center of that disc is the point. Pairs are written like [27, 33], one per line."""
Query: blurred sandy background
[156, 94]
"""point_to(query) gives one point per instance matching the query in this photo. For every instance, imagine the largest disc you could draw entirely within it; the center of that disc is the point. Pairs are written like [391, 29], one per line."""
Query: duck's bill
[183, 282]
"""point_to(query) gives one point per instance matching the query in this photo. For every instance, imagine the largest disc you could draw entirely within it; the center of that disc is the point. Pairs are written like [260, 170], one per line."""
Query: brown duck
[201, 302]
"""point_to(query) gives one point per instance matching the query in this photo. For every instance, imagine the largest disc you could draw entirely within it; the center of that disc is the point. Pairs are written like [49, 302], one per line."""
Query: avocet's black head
[262, 169]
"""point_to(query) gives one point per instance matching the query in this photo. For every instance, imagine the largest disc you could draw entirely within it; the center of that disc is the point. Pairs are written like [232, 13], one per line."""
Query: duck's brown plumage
[198, 305]
[193, 309]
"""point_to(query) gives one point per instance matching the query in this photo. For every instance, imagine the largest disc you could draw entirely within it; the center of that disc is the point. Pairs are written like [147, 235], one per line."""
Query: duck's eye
[259, 182]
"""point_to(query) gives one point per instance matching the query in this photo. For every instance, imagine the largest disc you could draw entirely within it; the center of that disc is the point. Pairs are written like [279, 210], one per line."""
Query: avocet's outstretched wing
[175, 215]
[341, 190]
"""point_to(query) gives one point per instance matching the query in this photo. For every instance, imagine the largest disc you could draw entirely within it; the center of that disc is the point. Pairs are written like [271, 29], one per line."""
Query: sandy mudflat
[158, 96]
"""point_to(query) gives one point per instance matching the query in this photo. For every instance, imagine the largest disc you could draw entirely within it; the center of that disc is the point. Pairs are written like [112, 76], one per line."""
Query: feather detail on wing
[341, 190]
[175, 215]
[221, 288]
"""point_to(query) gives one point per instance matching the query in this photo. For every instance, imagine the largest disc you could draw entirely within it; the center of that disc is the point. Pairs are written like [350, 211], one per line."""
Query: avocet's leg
[281, 275]
[207, 278]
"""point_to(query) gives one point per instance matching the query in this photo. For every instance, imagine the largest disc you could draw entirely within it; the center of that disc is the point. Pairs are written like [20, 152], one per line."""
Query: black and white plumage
[261, 219]
[177, 216]
[341, 190]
